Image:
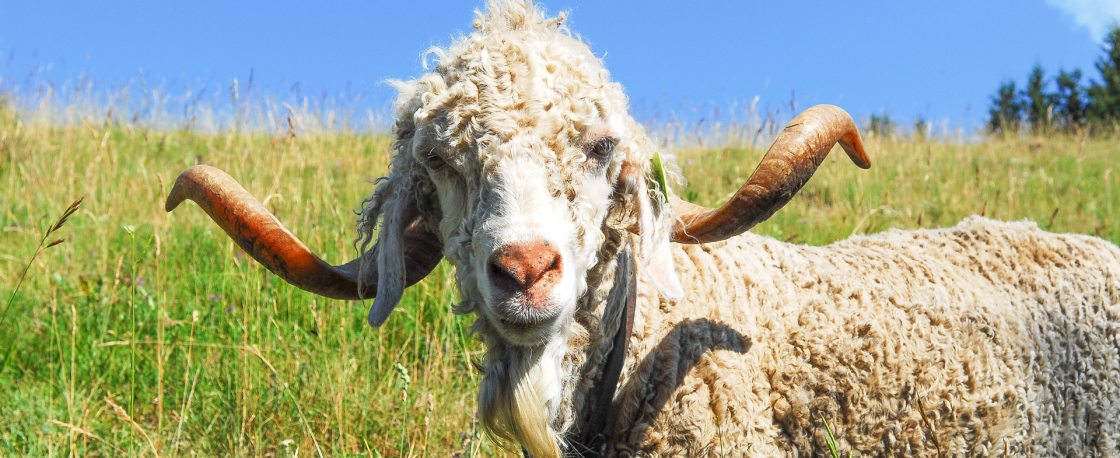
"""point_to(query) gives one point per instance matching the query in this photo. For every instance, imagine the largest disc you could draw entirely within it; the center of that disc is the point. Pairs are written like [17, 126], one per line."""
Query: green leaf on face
[657, 170]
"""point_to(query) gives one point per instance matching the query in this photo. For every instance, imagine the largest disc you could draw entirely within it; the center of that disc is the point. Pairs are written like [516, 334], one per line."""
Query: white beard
[522, 393]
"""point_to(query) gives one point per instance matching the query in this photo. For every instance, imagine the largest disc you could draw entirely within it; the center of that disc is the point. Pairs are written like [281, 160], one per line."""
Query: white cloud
[1095, 15]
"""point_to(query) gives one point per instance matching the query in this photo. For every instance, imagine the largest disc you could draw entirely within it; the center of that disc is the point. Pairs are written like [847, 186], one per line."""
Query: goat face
[520, 139]
[521, 215]
[525, 235]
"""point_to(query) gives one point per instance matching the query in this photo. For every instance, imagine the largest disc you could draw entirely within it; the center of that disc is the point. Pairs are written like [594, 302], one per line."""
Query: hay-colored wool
[1008, 336]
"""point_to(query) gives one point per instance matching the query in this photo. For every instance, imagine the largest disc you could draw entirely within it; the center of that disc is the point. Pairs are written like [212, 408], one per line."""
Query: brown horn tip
[262, 236]
[786, 167]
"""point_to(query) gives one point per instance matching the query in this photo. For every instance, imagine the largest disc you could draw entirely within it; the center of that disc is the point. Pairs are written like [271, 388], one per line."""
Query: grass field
[147, 333]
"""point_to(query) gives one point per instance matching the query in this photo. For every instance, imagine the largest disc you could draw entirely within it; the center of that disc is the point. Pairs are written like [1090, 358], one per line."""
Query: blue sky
[937, 59]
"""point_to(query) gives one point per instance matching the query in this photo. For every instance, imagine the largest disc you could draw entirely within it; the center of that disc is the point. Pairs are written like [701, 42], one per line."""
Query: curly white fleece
[1007, 335]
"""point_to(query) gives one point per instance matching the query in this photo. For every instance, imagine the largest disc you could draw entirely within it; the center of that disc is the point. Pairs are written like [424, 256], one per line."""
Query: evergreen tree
[1038, 104]
[1104, 105]
[1071, 101]
[1006, 112]
[921, 127]
[881, 126]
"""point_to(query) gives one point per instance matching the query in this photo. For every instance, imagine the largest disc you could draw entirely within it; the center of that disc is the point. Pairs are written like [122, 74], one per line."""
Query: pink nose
[525, 267]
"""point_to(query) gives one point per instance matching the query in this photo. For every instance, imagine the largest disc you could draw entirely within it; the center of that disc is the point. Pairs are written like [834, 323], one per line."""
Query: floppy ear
[397, 213]
[654, 223]
[394, 204]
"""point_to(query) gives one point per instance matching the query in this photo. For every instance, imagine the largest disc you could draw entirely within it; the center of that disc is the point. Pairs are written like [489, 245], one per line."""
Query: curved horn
[261, 235]
[788, 164]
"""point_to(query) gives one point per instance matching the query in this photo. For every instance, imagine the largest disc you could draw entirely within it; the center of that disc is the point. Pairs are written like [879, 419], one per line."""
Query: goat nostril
[500, 273]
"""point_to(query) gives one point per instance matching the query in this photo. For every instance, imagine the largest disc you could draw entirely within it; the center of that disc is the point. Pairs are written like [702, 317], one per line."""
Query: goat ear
[656, 256]
[398, 212]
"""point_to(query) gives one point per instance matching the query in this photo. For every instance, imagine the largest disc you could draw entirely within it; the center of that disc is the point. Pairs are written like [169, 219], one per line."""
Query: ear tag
[657, 170]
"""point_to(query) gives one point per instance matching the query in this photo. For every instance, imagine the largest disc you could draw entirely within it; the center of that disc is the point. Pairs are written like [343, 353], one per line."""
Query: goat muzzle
[528, 270]
[786, 167]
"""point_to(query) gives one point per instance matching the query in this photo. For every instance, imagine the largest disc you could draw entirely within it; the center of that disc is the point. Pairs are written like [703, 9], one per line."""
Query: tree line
[1067, 105]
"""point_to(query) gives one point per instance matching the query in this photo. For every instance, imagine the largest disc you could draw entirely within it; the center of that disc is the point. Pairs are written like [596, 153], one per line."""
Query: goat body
[1006, 335]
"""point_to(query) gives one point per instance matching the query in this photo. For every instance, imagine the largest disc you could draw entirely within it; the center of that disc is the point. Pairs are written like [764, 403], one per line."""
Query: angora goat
[515, 160]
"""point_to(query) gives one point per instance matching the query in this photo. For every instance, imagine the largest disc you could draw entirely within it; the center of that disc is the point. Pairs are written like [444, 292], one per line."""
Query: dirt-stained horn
[261, 235]
[789, 163]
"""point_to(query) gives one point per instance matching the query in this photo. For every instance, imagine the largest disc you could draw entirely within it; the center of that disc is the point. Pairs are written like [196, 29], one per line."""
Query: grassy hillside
[208, 354]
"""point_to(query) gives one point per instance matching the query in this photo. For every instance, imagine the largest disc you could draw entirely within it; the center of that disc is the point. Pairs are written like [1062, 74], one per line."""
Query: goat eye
[602, 149]
[435, 161]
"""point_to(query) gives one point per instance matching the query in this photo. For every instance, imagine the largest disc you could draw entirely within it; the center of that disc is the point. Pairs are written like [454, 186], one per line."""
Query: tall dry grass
[150, 334]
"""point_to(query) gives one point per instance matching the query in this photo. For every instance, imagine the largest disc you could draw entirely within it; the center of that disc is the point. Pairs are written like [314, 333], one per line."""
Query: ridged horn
[261, 235]
[789, 163]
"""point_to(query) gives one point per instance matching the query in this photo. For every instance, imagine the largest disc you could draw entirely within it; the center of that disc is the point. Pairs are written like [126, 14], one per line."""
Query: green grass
[208, 354]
